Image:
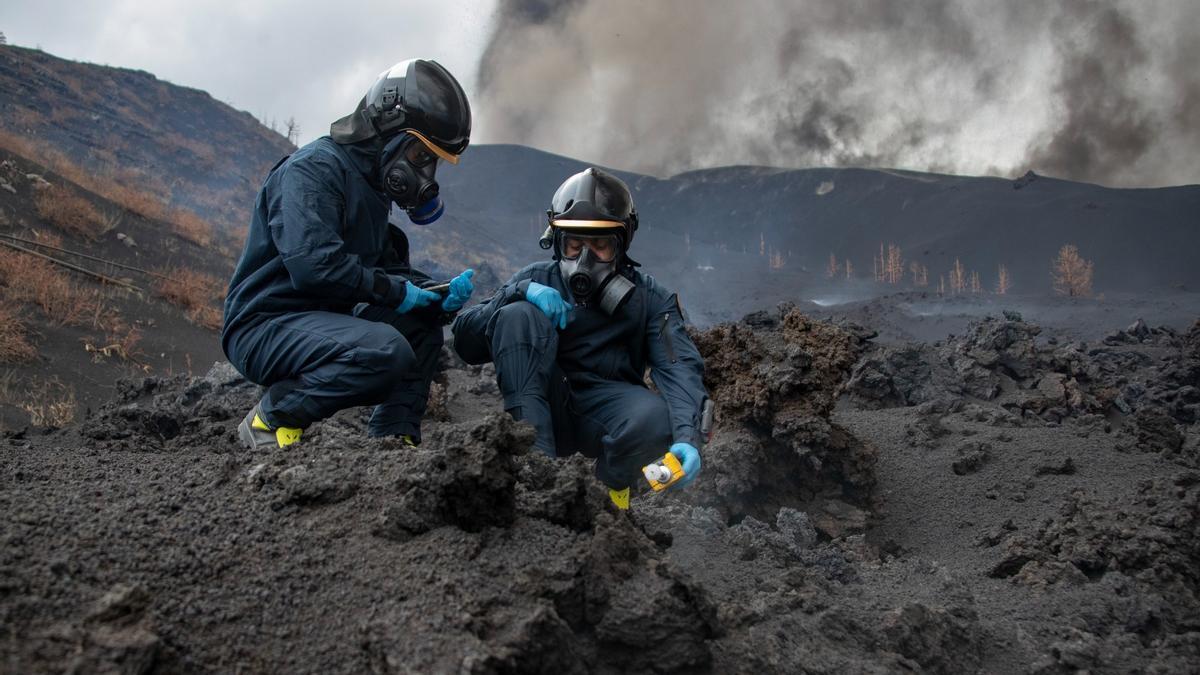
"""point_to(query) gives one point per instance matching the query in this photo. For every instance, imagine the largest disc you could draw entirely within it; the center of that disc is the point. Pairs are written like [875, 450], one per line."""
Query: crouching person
[323, 308]
[571, 339]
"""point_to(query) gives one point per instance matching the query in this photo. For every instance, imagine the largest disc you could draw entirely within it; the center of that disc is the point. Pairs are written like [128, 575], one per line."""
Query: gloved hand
[551, 303]
[461, 289]
[689, 457]
[415, 297]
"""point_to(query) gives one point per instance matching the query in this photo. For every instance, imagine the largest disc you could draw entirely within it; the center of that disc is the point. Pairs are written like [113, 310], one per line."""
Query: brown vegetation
[920, 274]
[1070, 273]
[833, 268]
[24, 278]
[62, 208]
[197, 293]
[14, 343]
[895, 265]
[958, 278]
[122, 191]
[889, 266]
[191, 227]
[49, 403]
[1003, 281]
[121, 340]
[64, 302]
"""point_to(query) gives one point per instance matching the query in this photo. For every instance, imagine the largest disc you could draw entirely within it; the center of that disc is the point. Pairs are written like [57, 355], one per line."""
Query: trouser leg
[524, 346]
[317, 363]
[401, 413]
[624, 426]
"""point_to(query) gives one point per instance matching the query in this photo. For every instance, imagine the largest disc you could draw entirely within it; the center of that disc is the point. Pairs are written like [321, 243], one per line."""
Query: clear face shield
[600, 247]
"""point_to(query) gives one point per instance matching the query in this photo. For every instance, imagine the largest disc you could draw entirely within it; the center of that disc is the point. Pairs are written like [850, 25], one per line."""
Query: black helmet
[593, 200]
[417, 96]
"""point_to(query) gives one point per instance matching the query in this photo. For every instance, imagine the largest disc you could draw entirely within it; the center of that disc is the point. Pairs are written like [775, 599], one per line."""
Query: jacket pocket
[668, 344]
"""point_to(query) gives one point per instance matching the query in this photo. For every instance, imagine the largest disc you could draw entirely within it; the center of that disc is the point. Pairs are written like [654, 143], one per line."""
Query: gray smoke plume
[1094, 90]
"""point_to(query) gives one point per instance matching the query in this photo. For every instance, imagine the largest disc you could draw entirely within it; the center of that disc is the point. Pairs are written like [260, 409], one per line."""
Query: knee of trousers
[521, 319]
[384, 360]
[648, 423]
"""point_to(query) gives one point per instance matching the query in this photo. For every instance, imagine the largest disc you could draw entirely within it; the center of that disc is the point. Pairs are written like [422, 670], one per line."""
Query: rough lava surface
[995, 503]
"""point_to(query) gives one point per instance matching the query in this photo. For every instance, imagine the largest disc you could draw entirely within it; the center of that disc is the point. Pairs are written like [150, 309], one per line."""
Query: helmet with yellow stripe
[417, 97]
[591, 203]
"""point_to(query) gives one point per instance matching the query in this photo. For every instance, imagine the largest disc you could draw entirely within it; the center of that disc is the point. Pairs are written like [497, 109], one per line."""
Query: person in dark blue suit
[324, 309]
[572, 338]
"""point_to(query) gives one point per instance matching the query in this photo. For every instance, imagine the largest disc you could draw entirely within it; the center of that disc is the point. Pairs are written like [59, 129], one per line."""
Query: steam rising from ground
[1100, 91]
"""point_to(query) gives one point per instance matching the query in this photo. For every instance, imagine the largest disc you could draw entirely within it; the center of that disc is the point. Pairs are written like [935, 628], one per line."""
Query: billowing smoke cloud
[1092, 90]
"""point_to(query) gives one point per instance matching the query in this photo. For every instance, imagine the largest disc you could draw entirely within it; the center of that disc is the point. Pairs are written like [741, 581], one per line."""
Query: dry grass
[135, 201]
[121, 341]
[191, 227]
[119, 190]
[62, 208]
[197, 293]
[48, 238]
[49, 403]
[14, 341]
[64, 301]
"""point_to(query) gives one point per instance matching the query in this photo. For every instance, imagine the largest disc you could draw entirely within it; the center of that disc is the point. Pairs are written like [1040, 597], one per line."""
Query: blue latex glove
[415, 297]
[461, 289]
[689, 457]
[550, 302]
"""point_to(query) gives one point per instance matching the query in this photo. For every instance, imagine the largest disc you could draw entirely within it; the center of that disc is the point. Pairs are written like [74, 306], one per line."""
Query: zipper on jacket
[666, 334]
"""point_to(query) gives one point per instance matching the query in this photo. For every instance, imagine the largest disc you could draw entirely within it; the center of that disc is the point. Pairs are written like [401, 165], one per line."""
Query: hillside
[144, 300]
[178, 143]
[1139, 239]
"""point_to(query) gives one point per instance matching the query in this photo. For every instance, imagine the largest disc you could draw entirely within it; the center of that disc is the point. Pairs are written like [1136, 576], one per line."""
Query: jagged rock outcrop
[775, 379]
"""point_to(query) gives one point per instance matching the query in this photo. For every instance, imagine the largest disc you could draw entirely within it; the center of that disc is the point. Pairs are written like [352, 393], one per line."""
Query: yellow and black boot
[620, 498]
[256, 434]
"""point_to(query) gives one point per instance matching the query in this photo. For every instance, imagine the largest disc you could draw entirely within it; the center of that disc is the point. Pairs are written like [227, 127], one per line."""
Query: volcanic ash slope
[818, 540]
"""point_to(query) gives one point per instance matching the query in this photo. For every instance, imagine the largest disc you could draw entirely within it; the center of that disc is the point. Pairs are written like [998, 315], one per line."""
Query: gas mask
[588, 263]
[407, 174]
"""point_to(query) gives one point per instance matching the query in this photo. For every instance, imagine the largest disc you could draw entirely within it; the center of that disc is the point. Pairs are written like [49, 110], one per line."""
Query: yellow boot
[620, 498]
[258, 435]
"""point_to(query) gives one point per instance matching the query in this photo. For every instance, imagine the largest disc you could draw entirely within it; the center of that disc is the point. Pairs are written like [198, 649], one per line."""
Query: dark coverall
[310, 312]
[583, 387]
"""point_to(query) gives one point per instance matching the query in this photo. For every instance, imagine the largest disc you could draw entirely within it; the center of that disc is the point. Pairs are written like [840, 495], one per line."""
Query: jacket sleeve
[675, 365]
[305, 226]
[471, 339]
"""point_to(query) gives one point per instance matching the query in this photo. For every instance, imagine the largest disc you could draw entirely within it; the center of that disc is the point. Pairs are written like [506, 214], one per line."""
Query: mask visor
[433, 147]
[602, 248]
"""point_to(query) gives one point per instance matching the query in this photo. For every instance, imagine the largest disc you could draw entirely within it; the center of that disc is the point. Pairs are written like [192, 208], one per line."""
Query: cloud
[1097, 90]
[1073, 89]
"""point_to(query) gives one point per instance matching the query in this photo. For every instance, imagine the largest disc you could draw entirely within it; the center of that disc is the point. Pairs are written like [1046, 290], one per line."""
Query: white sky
[273, 58]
